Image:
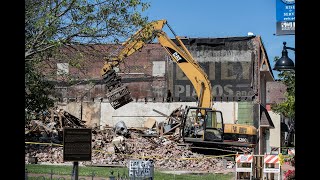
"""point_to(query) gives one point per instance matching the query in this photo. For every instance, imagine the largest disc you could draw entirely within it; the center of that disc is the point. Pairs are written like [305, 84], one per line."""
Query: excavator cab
[213, 127]
[203, 124]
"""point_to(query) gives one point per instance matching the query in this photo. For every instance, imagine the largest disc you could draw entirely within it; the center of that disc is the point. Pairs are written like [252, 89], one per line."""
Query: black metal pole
[51, 174]
[75, 171]
[26, 174]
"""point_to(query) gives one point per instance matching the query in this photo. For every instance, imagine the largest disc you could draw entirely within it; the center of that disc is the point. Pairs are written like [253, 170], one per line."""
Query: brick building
[238, 68]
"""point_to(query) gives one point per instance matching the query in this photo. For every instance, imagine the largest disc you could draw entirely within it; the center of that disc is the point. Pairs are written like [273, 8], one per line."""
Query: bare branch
[67, 9]
[94, 36]
[99, 3]
[30, 53]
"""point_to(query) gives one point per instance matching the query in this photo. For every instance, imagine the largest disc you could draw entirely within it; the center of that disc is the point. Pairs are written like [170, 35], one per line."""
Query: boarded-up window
[159, 68]
[245, 113]
[62, 68]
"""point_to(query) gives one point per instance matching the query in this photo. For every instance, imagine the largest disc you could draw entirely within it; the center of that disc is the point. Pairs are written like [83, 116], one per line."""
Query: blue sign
[285, 16]
[285, 10]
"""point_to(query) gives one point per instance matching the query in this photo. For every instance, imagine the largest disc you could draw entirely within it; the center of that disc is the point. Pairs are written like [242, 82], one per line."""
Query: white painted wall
[91, 113]
[62, 68]
[229, 111]
[158, 68]
[74, 108]
[275, 133]
[135, 114]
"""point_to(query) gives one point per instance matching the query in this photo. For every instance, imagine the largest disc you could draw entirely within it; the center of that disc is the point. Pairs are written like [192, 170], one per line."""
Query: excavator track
[222, 147]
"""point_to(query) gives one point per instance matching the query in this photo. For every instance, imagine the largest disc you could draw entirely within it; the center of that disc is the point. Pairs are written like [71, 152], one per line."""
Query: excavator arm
[180, 55]
[213, 132]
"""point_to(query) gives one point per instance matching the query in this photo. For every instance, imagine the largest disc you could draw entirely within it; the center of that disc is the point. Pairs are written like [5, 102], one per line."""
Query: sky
[224, 18]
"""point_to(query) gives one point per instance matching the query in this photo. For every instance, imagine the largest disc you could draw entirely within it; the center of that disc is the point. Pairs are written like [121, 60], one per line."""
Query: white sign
[244, 169]
[140, 168]
[243, 158]
[271, 170]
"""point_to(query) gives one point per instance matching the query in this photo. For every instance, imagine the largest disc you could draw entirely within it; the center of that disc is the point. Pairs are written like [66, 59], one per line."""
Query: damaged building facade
[283, 136]
[238, 68]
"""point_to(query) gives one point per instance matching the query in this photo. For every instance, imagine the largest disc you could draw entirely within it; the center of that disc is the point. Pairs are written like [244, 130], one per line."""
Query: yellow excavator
[201, 126]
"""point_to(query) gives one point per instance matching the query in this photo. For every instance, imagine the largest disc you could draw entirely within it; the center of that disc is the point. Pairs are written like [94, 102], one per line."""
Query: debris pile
[165, 153]
[43, 153]
[115, 146]
[48, 127]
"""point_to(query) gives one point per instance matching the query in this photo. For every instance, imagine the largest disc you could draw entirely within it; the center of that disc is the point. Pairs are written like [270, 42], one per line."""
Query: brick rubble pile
[164, 151]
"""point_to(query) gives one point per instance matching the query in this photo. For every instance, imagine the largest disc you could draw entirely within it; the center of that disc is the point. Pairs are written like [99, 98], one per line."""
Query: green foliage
[37, 92]
[287, 107]
[51, 25]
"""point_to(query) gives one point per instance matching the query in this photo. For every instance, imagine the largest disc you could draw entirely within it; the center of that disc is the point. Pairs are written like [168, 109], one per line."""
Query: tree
[287, 107]
[54, 24]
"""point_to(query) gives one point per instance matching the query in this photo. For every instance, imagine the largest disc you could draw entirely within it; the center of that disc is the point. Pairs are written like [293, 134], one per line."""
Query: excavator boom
[180, 55]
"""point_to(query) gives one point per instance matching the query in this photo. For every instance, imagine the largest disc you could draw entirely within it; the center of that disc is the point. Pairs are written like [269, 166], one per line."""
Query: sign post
[75, 170]
[285, 17]
[77, 147]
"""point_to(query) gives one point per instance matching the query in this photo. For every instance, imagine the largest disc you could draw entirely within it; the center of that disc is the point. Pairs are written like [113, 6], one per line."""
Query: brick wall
[275, 92]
